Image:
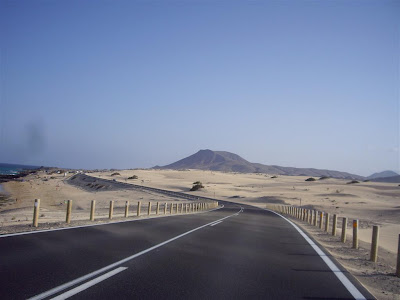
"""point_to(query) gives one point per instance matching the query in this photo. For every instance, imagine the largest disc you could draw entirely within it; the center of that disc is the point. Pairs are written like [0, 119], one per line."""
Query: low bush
[324, 177]
[196, 186]
[274, 177]
[133, 177]
[310, 179]
[353, 181]
[115, 174]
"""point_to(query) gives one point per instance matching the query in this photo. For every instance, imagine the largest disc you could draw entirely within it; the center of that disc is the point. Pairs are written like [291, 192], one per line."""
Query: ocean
[10, 169]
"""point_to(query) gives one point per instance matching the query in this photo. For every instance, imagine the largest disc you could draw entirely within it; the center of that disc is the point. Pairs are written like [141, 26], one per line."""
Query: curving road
[234, 252]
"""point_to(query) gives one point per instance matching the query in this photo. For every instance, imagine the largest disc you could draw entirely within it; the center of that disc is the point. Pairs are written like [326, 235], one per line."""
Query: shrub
[115, 174]
[133, 177]
[310, 179]
[274, 177]
[196, 186]
[324, 177]
[353, 181]
[366, 180]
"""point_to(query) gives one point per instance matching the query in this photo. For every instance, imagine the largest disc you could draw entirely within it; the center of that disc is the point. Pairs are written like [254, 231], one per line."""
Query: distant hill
[230, 162]
[383, 174]
[391, 179]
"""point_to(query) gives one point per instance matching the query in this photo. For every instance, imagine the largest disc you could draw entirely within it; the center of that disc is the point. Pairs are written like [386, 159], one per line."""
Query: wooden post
[334, 225]
[126, 209]
[110, 214]
[355, 234]
[158, 208]
[92, 207]
[138, 208]
[181, 208]
[374, 245]
[165, 208]
[36, 208]
[321, 219]
[315, 217]
[326, 222]
[149, 209]
[171, 208]
[398, 259]
[344, 230]
[69, 208]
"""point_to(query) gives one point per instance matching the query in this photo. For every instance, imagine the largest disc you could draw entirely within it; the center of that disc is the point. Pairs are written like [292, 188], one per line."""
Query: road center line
[339, 274]
[122, 261]
[216, 223]
[88, 284]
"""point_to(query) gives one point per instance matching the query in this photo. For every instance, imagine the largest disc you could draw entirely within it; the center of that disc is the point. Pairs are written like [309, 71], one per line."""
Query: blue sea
[10, 169]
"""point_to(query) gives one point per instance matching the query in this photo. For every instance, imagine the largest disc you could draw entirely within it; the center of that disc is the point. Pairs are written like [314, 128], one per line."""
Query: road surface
[235, 252]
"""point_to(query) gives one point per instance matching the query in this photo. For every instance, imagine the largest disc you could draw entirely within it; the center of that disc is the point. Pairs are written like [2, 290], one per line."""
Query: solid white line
[95, 273]
[101, 224]
[218, 222]
[339, 274]
[88, 284]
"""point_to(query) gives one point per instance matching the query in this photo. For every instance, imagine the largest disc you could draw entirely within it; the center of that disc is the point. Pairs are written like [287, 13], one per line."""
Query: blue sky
[126, 84]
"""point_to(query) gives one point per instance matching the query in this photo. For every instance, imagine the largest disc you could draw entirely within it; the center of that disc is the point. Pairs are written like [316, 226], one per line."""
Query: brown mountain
[230, 162]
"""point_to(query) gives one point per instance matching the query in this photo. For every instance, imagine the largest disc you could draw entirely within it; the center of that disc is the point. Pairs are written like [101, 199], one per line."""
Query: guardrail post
[165, 208]
[36, 208]
[171, 208]
[344, 230]
[110, 213]
[158, 208]
[321, 219]
[139, 204]
[398, 259]
[69, 208]
[334, 225]
[126, 209]
[374, 244]
[92, 207]
[315, 217]
[326, 222]
[355, 234]
[181, 208]
[149, 209]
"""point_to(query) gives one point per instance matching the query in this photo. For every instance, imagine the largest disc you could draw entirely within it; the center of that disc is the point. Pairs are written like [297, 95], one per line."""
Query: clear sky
[129, 84]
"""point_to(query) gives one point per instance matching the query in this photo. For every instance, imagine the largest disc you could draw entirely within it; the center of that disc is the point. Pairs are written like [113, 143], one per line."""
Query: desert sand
[369, 202]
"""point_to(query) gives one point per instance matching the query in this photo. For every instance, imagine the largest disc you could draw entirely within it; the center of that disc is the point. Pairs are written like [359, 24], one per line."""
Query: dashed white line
[216, 223]
[88, 284]
[122, 261]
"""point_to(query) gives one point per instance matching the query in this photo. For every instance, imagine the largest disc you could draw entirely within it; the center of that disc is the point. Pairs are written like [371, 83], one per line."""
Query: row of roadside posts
[322, 220]
[168, 208]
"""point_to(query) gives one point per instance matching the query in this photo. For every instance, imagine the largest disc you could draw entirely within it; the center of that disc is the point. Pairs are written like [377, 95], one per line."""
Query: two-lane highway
[233, 252]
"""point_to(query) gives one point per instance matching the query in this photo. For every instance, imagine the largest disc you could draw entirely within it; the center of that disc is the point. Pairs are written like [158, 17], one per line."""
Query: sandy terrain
[369, 202]
[53, 192]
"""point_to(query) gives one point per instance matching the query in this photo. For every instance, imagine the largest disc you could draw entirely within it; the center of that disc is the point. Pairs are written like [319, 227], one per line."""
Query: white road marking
[93, 225]
[95, 273]
[216, 223]
[88, 284]
[339, 274]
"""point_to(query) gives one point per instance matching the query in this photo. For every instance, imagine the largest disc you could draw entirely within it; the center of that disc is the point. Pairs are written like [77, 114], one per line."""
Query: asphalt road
[236, 252]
